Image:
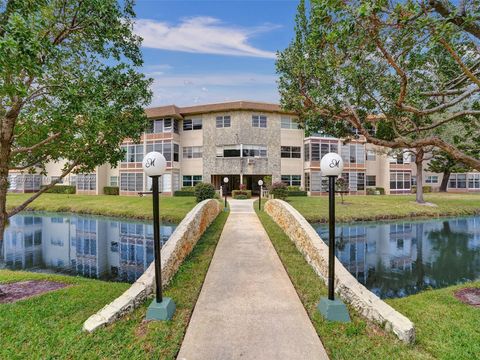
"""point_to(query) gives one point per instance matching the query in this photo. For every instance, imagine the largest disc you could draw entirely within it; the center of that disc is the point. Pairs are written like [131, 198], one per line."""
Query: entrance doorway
[252, 183]
[233, 182]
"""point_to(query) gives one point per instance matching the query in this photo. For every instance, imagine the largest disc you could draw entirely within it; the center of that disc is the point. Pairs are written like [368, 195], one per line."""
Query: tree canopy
[399, 72]
[70, 89]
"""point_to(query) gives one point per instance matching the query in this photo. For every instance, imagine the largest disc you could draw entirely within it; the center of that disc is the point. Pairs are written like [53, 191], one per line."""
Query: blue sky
[211, 51]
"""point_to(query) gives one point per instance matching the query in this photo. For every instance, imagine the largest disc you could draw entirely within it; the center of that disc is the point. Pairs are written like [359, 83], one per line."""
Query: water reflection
[397, 259]
[89, 246]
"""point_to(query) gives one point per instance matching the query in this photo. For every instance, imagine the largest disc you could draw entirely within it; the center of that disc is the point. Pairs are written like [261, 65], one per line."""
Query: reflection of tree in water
[455, 261]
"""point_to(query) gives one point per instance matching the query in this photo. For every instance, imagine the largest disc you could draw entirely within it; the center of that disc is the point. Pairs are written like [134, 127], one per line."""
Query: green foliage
[62, 189]
[204, 191]
[241, 197]
[279, 190]
[70, 82]
[188, 188]
[377, 63]
[267, 181]
[375, 191]
[111, 190]
[293, 188]
[184, 193]
[443, 163]
[296, 193]
[426, 189]
[242, 193]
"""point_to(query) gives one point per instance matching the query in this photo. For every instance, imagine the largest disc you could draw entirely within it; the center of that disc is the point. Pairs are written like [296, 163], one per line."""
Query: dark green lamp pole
[161, 308]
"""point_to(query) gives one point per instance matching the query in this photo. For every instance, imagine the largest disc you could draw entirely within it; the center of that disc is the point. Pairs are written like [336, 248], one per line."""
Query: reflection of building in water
[22, 246]
[400, 258]
[83, 245]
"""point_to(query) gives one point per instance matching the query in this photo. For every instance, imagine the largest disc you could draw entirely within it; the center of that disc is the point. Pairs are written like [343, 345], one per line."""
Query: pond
[400, 258]
[90, 246]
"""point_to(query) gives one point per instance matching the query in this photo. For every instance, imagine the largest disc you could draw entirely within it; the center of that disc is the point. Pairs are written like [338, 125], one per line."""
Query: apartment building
[243, 141]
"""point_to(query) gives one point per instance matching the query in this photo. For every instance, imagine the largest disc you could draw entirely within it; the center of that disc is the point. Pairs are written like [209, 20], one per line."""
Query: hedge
[241, 197]
[297, 193]
[247, 193]
[62, 189]
[426, 189]
[111, 190]
[373, 191]
[184, 193]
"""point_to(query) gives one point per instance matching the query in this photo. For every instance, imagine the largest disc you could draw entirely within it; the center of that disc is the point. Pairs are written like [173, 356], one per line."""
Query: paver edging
[175, 250]
[315, 251]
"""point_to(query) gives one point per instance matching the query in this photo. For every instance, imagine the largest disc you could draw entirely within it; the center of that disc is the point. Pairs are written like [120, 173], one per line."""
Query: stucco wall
[309, 243]
[175, 250]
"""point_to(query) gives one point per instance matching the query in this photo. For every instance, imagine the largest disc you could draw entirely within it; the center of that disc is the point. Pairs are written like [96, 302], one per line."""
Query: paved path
[248, 307]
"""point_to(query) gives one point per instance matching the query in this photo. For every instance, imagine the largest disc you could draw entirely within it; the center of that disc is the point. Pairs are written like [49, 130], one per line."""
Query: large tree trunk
[444, 184]
[419, 163]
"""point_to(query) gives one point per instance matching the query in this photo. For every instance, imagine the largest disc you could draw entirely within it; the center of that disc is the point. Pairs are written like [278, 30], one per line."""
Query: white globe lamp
[331, 165]
[154, 164]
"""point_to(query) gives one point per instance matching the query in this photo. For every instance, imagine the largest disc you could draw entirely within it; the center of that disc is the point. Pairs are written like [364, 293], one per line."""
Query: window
[223, 121]
[292, 180]
[259, 121]
[307, 181]
[191, 180]
[192, 152]
[353, 153]
[371, 156]
[131, 181]
[315, 181]
[400, 180]
[458, 181]
[133, 153]
[355, 180]
[162, 126]
[371, 180]
[113, 180]
[55, 178]
[306, 152]
[192, 124]
[254, 151]
[86, 182]
[318, 150]
[164, 147]
[474, 181]
[289, 123]
[432, 179]
[231, 151]
[291, 152]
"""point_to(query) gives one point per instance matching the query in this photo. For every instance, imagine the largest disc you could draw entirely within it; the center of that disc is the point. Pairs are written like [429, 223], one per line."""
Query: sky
[202, 52]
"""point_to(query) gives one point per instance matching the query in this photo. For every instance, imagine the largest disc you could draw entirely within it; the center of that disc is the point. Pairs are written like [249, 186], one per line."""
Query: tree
[69, 87]
[444, 164]
[398, 72]
[341, 186]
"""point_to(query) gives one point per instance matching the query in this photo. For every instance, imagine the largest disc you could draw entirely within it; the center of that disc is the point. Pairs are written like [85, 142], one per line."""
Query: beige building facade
[244, 141]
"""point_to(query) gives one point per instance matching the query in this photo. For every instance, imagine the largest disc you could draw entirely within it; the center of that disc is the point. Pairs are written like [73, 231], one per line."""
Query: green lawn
[49, 326]
[172, 209]
[446, 328]
[378, 207]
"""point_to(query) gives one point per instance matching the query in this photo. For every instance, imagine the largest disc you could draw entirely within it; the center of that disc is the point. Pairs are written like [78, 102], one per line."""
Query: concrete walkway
[248, 307]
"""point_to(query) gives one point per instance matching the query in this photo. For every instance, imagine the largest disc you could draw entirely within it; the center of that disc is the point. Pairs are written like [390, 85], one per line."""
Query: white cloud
[206, 35]
[185, 90]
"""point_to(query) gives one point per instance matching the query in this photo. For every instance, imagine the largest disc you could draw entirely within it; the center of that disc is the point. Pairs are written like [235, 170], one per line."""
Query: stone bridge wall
[175, 250]
[315, 251]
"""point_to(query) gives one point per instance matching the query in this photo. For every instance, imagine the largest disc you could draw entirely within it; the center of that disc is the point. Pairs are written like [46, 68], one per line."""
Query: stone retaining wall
[315, 251]
[175, 250]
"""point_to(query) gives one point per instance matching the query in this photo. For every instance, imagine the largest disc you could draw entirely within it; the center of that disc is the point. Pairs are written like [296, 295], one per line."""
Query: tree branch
[42, 190]
[458, 19]
[36, 146]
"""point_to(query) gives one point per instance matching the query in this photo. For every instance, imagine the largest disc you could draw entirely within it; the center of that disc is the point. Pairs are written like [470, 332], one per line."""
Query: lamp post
[161, 308]
[225, 182]
[331, 166]
[260, 183]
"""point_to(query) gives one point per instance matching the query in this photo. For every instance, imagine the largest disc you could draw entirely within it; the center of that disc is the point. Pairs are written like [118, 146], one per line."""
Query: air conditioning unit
[250, 161]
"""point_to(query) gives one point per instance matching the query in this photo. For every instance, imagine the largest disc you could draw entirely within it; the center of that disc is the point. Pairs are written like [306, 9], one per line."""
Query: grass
[172, 209]
[446, 328]
[49, 326]
[363, 207]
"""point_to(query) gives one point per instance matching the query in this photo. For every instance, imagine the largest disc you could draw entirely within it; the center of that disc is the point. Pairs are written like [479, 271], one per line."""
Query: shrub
[243, 187]
[241, 197]
[188, 189]
[370, 191]
[111, 190]
[184, 193]
[293, 188]
[204, 191]
[247, 193]
[341, 185]
[267, 181]
[62, 189]
[426, 189]
[297, 193]
[279, 190]
[375, 191]
[381, 190]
